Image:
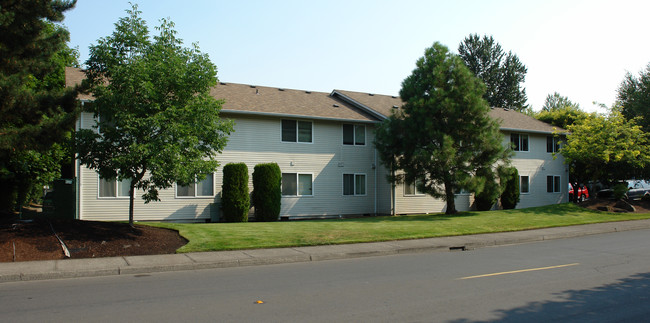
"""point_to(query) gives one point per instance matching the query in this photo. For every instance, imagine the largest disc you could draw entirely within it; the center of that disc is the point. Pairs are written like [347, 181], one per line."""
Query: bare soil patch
[35, 240]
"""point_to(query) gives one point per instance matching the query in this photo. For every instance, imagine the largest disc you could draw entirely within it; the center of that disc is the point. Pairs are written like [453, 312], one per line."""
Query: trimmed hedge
[490, 192]
[235, 200]
[510, 196]
[267, 191]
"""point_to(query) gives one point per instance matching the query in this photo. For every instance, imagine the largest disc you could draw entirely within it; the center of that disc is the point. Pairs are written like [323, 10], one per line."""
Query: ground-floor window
[524, 184]
[297, 184]
[553, 184]
[354, 184]
[114, 188]
[202, 188]
[411, 189]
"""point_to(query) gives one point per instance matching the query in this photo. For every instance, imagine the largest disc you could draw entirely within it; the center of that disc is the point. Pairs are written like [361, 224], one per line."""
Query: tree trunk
[131, 198]
[451, 199]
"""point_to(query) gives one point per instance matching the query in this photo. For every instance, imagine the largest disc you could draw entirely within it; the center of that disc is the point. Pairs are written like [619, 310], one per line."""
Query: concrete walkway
[69, 268]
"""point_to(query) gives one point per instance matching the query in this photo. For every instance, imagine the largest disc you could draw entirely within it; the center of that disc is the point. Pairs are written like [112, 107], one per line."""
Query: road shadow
[626, 300]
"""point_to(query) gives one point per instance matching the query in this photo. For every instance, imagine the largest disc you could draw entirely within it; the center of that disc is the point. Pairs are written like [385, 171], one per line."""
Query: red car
[583, 192]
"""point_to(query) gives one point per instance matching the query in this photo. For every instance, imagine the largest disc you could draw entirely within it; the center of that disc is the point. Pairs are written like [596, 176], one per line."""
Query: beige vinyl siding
[326, 158]
[86, 120]
[384, 197]
[537, 164]
[258, 140]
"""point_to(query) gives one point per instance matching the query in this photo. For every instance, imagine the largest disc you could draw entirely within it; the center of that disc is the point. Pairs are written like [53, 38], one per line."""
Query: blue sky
[581, 49]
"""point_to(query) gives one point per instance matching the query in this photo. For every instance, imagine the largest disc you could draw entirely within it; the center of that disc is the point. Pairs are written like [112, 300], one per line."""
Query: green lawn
[232, 236]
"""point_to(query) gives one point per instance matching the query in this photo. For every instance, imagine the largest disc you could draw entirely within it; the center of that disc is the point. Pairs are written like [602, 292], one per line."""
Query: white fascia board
[295, 116]
[533, 131]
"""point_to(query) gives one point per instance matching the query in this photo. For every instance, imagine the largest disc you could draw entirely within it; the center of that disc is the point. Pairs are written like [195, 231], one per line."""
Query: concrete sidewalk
[68, 268]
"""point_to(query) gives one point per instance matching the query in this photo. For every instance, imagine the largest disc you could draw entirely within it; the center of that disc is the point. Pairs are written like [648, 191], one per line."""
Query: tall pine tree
[444, 133]
[36, 111]
[503, 74]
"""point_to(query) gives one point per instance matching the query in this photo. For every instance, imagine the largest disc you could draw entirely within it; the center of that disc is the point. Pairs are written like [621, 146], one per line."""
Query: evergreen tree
[510, 195]
[634, 97]
[557, 102]
[503, 74]
[443, 134]
[36, 111]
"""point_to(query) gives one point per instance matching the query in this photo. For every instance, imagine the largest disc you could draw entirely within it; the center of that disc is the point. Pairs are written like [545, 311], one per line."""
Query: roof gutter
[286, 115]
[534, 131]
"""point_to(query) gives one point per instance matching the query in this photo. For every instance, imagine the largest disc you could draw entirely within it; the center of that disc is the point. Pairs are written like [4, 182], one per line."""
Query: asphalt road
[597, 278]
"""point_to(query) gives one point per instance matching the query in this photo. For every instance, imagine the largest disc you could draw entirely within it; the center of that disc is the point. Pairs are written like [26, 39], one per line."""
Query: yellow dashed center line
[518, 271]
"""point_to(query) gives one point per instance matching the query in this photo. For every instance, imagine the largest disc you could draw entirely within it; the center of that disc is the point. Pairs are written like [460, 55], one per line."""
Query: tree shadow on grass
[623, 301]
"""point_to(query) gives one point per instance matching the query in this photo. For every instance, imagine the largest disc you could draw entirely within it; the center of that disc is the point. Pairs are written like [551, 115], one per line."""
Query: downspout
[375, 167]
[392, 190]
[78, 202]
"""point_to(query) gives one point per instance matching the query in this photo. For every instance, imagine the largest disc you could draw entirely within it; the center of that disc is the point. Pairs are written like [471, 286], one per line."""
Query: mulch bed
[35, 240]
[640, 206]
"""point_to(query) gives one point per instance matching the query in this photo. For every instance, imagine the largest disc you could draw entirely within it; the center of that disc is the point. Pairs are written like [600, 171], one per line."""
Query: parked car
[583, 192]
[637, 189]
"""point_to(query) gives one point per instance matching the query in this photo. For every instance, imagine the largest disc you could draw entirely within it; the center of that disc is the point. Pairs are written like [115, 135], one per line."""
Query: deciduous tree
[607, 147]
[559, 111]
[443, 134]
[156, 121]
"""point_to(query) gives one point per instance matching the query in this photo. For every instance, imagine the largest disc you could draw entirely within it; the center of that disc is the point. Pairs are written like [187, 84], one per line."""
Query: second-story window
[296, 131]
[519, 141]
[354, 134]
[552, 144]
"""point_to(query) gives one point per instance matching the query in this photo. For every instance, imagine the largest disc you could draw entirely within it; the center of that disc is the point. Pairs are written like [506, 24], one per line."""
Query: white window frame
[297, 131]
[416, 192]
[521, 178]
[354, 184]
[556, 144]
[557, 183]
[520, 141]
[298, 184]
[196, 190]
[117, 189]
[354, 134]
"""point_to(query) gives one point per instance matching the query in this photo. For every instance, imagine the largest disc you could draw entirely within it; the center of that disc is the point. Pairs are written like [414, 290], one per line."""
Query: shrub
[620, 191]
[490, 191]
[267, 191]
[510, 195]
[234, 194]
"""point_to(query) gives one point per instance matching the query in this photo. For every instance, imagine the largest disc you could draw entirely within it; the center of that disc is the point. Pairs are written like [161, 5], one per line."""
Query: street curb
[133, 265]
